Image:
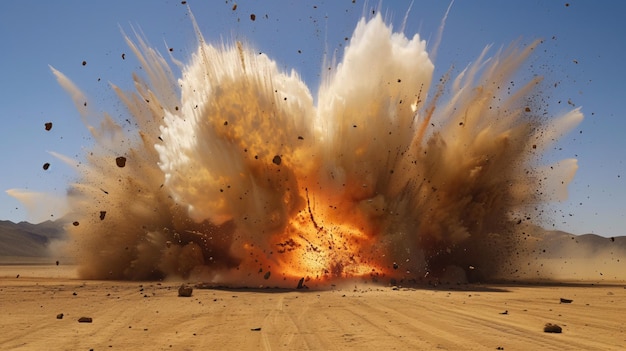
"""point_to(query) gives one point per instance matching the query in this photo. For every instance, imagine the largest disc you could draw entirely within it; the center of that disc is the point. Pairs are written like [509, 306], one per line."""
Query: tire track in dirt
[286, 327]
[134, 315]
[478, 319]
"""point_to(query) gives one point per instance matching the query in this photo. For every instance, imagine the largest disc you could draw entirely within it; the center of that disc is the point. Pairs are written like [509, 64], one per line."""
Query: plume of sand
[233, 166]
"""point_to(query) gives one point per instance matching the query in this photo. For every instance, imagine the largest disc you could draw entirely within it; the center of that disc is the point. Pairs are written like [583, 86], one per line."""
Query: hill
[25, 239]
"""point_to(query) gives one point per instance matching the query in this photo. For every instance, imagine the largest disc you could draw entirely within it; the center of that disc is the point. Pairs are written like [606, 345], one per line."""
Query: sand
[151, 316]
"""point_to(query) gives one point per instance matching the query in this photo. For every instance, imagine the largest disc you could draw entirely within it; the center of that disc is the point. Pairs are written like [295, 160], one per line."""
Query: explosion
[237, 176]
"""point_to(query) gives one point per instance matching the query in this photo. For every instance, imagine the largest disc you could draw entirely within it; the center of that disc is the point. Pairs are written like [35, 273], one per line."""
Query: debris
[48, 125]
[46, 166]
[60, 316]
[256, 329]
[566, 300]
[85, 320]
[300, 284]
[120, 161]
[185, 291]
[552, 328]
[267, 275]
[505, 312]
[277, 160]
[102, 215]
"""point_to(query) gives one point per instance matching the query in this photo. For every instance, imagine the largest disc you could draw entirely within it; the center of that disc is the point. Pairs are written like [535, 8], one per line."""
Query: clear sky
[583, 54]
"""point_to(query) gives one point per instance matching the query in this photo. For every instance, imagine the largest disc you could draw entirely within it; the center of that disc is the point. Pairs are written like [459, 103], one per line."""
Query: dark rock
[60, 316]
[120, 161]
[552, 328]
[185, 291]
[277, 160]
[566, 300]
[85, 320]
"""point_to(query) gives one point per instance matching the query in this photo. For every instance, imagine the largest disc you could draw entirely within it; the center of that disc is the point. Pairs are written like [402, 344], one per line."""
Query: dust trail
[236, 177]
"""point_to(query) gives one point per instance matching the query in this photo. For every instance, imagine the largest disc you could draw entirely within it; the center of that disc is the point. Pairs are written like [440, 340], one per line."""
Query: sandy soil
[150, 315]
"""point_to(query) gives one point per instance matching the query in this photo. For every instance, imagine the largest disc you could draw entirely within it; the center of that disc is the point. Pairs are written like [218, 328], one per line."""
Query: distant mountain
[559, 244]
[25, 239]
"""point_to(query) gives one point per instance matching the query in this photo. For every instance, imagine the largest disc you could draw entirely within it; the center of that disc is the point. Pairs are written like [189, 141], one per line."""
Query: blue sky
[583, 53]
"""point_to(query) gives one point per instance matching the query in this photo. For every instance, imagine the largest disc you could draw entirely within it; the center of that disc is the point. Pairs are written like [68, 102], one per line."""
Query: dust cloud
[238, 176]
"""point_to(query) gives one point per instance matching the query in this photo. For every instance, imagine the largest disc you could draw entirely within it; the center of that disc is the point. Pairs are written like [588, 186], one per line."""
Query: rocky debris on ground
[185, 291]
[552, 328]
[60, 316]
[85, 320]
[563, 300]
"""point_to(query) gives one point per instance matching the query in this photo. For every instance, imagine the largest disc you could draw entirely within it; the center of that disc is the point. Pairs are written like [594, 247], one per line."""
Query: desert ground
[151, 316]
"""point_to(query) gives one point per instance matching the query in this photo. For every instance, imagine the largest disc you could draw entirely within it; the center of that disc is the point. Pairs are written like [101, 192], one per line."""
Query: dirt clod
[185, 291]
[552, 328]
